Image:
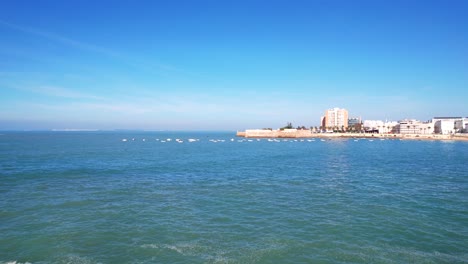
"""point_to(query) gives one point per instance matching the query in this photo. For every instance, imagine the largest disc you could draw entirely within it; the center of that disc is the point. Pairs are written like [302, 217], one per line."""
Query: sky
[228, 65]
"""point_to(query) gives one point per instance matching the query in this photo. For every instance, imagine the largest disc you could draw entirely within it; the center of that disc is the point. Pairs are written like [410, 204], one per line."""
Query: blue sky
[227, 65]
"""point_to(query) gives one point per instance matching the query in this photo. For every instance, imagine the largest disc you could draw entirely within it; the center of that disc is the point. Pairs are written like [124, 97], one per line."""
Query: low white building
[381, 126]
[372, 124]
[445, 127]
[412, 126]
[450, 125]
[389, 127]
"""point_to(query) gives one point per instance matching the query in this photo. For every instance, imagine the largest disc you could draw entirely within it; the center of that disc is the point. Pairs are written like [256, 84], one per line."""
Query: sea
[158, 197]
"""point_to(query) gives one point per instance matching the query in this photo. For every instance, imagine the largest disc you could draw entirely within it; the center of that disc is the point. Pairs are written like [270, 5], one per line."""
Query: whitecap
[75, 259]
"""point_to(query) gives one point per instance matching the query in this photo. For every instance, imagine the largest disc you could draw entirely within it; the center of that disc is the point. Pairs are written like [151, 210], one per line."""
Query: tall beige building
[335, 117]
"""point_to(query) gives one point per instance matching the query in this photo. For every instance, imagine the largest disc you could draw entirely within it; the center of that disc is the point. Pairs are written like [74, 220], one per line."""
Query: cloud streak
[55, 91]
[61, 92]
[90, 48]
[60, 39]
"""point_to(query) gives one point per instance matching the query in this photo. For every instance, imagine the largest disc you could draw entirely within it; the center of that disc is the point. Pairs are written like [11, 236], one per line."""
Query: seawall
[265, 133]
[294, 133]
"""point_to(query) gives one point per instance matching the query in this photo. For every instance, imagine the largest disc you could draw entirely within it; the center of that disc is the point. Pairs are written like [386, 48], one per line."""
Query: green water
[93, 198]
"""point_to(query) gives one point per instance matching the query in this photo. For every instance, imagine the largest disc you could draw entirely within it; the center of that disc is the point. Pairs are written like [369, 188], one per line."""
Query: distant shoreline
[308, 134]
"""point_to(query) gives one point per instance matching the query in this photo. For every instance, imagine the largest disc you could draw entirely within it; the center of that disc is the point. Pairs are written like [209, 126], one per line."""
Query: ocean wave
[75, 259]
[206, 253]
[183, 248]
[398, 254]
[227, 254]
[14, 262]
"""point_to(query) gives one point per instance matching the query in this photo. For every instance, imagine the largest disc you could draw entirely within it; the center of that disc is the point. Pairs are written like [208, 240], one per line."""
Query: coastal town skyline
[228, 66]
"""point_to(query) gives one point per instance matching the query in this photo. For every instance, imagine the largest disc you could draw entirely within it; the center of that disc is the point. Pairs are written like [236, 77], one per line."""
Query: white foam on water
[409, 255]
[181, 249]
[75, 259]
[216, 254]
[14, 262]
[192, 250]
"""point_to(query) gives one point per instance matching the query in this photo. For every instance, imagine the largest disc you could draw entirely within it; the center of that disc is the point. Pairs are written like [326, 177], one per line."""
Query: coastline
[308, 134]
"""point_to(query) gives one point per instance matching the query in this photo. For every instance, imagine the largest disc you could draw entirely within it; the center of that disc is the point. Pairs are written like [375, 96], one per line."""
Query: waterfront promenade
[293, 133]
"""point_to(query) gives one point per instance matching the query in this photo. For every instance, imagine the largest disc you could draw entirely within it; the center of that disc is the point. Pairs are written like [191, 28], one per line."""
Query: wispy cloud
[58, 38]
[53, 91]
[56, 91]
[91, 48]
[160, 107]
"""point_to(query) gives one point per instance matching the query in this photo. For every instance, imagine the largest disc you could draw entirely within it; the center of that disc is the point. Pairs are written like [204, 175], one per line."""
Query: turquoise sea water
[89, 197]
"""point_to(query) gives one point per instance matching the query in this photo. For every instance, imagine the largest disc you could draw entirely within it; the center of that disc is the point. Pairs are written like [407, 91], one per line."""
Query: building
[450, 125]
[354, 121]
[412, 126]
[461, 125]
[335, 118]
[354, 124]
[380, 126]
[372, 124]
[390, 127]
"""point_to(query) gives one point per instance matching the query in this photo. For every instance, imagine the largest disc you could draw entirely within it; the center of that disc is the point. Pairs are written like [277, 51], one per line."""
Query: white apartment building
[335, 117]
[450, 125]
[412, 126]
